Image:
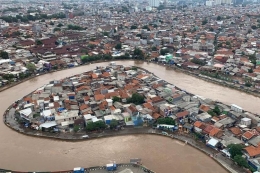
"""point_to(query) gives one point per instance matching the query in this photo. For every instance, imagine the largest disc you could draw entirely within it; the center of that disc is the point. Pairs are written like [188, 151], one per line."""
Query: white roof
[46, 113]
[213, 142]
[246, 119]
[26, 112]
[88, 116]
[236, 106]
[48, 124]
[56, 98]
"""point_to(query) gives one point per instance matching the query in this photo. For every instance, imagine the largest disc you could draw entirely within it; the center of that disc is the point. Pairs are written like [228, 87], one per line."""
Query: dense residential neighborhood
[213, 41]
[117, 97]
[216, 42]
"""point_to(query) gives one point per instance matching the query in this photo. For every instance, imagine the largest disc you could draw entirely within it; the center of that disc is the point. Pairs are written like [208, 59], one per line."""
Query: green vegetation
[106, 34]
[146, 27]
[87, 58]
[136, 99]
[76, 128]
[39, 42]
[4, 55]
[116, 99]
[99, 125]
[59, 25]
[27, 18]
[164, 51]
[235, 149]
[250, 70]
[75, 27]
[91, 46]
[248, 84]
[56, 29]
[217, 76]
[154, 48]
[113, 124]
[118, 46]
[31, 67]
[134, 68]
[36, 115]
[204, 22]
[138, 53]
[198, 61]
[133, 27]
[219, 18]
[215, 112]
[166, 120]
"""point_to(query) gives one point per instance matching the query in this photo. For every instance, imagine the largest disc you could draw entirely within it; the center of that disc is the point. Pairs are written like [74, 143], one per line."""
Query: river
[163, 155]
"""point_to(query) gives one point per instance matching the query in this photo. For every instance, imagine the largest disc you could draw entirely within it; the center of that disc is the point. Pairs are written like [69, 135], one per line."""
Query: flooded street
[163, 155]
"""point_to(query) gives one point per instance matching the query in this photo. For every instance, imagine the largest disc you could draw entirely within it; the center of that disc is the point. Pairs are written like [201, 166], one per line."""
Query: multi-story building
[154, 3]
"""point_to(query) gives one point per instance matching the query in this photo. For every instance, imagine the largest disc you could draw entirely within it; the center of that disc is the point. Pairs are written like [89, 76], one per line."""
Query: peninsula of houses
[118, 97]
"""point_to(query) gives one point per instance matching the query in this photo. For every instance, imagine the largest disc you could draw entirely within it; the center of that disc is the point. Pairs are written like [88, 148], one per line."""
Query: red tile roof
[182, 114]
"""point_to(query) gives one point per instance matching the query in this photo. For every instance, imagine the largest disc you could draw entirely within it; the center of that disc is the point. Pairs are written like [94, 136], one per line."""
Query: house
[199, 126]
[216, 132]
[182, 115]
[236, 131]
[204, 117]
[225, 123]
[132, 110]
[247, 136]
[227, 140]
[66, 118]
[252, 152]
[187, 128]
[213, 143]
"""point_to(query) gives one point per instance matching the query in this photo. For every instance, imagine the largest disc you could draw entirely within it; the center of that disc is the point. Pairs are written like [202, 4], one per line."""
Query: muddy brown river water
[163, 155]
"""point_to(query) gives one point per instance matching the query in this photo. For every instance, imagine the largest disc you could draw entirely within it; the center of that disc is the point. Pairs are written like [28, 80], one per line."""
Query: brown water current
[163, 155]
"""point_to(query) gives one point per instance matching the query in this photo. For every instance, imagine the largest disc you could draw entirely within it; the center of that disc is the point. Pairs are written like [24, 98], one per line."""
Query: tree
[219, 18]
[248, 84]
[116, 99]
[43, 20]
[204, 22]
[118, 46]
[211, 29]
[4, 55]
[133, 27]
[92, 39]
[39, 42]
[76, 128]
[91, 46]
[253, 27]
[154, 48]
[99, 125]
[113, 124]
[164, 51]
[31, 67]
[198, 61]
[59, 25]
[51, 23]
[139, 53]
[241, 161]
[166, 120]
[106, 34]
[146, 27]
[136, 99]
[56, 29]
[235, 149]
[250, 70]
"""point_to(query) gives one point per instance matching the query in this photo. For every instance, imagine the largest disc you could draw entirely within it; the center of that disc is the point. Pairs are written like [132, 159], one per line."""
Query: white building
[209, 3]
[154, 3]
[236, 108]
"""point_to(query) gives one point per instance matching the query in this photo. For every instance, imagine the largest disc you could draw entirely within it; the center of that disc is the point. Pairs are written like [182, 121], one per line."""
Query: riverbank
[100, 169]
[195, 74]
[184, 138]
[105, 135]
